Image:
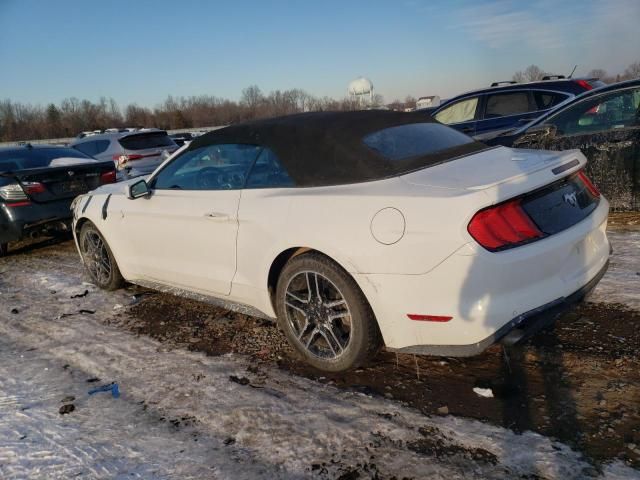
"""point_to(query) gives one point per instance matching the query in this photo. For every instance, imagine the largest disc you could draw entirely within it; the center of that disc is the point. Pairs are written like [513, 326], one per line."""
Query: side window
[214, 167]
[268, 172]
[503, 104]
[101, 146]
[88, 148]
[605, 112]
[462, 111]
[546, 100]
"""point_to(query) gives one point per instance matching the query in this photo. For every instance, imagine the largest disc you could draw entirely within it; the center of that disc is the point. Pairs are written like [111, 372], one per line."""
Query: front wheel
[325, 315]
[98, 259]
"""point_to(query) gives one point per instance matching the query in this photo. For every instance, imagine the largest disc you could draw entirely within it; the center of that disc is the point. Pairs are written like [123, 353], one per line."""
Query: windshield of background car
[25, 158]
[462, 111]
[414, 140]
[615, 110]
[144, 141]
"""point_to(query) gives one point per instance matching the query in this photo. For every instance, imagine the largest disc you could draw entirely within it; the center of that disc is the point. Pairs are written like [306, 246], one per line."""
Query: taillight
[593, 190]
[121, 160]
[12, 192]
[31, 188]
[503, 226]
[108, 177]
[584, 84]
[16, 192]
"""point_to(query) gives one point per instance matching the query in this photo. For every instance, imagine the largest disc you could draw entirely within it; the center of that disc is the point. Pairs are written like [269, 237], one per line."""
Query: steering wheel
[210, 178]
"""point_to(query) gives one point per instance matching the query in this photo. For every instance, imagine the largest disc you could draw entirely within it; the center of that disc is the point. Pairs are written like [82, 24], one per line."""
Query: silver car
[135, 151]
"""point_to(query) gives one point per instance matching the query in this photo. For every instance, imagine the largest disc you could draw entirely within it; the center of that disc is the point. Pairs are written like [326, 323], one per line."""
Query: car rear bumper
[487, 295]
[20, 222]
[517, 330]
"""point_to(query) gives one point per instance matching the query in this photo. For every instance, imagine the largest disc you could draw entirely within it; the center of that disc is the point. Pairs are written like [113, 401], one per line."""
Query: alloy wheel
[96, 257]
[318, 314]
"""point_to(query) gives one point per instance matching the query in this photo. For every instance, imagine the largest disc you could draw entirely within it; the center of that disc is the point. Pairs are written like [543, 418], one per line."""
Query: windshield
[25, 158]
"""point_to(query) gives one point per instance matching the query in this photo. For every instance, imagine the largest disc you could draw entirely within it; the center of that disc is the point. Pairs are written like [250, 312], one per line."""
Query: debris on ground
[239, 380]
[109, 387]
[483, 392]
[68, 408]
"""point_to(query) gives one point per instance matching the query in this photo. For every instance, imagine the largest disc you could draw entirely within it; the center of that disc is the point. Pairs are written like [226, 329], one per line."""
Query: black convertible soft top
[326, 148]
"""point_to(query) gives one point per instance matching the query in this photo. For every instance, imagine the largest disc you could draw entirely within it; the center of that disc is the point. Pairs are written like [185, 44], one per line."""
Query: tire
[324, 314]
[98, 259]
[4, 249]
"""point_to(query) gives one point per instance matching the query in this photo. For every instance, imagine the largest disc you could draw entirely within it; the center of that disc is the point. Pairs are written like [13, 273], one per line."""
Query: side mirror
[537, 134]
[138, 189]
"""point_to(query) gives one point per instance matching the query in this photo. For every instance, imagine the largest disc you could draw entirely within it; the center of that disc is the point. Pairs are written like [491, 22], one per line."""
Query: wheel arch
[279, 262]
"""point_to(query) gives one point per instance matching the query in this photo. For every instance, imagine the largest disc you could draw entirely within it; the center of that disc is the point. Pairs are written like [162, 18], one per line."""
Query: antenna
[573, 71]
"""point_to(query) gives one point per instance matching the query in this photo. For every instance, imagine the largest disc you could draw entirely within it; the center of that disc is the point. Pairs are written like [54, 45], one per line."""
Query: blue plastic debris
[110, 387]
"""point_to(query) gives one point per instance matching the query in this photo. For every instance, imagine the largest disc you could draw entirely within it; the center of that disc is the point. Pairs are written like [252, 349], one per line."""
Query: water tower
[361, 90]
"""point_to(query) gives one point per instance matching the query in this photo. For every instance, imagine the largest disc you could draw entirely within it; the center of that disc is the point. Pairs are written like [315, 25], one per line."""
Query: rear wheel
[324, 314]
[4, 249]
[98, 259]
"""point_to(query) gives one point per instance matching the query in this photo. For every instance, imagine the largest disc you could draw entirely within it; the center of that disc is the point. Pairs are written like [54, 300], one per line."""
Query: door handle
[467, 129]
[217, 216]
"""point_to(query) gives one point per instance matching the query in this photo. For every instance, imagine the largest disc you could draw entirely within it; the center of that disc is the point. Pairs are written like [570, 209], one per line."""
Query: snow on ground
[180, 416]
[621, 284]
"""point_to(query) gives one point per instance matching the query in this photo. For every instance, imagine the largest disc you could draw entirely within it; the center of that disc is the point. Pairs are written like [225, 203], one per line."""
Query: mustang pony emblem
[571, 198]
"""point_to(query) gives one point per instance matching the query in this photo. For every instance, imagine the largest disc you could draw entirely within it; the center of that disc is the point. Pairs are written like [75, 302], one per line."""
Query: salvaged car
[37, 185]
[357, 229]
[506, 105]
[605, 125]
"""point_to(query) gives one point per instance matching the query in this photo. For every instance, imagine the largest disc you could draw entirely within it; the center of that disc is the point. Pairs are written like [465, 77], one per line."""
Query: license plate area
[71, 186]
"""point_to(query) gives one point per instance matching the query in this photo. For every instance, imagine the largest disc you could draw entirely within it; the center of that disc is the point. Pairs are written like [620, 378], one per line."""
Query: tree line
[19, 121]
[533, 73]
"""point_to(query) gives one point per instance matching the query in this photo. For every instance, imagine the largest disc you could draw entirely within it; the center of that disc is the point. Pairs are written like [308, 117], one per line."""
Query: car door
[606, 128]
[460, 115]
[184, 234]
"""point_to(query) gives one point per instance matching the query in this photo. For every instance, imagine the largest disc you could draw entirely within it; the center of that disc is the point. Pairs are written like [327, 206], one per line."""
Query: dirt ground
[579, 383]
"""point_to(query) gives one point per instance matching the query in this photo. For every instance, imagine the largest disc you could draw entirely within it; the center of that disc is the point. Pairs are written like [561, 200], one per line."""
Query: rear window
[414, 140]
[24, 158]
[545, 100]
[144, 141]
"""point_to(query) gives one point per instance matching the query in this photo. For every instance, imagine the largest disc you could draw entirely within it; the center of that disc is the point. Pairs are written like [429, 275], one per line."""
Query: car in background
[355, 229]
[37, 186]
[605, 125]
[135, 151]
[505, 105]
[181, 138]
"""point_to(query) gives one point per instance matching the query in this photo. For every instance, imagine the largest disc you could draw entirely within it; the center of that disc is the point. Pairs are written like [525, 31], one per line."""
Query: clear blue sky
[142, 50]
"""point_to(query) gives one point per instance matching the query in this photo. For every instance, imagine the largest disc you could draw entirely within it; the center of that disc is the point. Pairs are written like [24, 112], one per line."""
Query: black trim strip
[104, 207]
[566, 166]
[87, 204]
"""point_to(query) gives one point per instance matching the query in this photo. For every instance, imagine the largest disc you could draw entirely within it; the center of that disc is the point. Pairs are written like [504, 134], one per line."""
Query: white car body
[404, 240]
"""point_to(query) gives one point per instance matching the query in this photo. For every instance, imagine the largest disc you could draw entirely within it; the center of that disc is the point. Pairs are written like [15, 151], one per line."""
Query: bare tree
[530, 74]
[632, 71]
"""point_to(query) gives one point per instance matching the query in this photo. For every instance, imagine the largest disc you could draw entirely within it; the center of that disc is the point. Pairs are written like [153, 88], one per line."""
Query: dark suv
[505, 105]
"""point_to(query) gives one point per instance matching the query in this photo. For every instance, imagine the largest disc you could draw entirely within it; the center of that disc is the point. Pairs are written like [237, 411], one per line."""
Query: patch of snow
[179, 415]
[621, 284]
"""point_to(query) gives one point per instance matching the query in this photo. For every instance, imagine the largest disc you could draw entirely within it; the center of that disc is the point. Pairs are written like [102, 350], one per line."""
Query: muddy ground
[579, 383]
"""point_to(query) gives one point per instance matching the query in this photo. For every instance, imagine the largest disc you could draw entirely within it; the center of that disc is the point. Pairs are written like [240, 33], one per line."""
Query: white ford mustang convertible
[357, 230]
